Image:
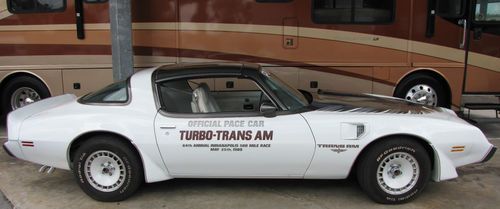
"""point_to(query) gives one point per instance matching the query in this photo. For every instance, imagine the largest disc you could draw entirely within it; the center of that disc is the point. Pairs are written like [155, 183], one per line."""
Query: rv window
[451, 8]
[487, 11]
[353, 11]
[273, 1]
[95, 1]
[36, 6]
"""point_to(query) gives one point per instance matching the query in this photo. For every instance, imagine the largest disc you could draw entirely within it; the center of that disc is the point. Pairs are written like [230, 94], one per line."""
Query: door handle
[248, 107]
[464, 35]
[167, 126]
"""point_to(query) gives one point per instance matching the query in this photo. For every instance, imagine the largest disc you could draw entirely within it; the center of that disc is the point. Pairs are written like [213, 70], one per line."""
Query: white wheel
[107, 168]
[105, 171]
[394, 170]
[398, 173]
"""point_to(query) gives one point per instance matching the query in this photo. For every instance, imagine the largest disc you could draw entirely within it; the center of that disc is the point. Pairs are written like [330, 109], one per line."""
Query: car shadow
[285, 188]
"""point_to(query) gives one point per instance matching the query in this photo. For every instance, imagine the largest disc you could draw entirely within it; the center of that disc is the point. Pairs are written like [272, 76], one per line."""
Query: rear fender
[16, 117]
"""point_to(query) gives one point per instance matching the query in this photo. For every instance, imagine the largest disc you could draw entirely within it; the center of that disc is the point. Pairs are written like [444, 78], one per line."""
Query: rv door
[483, 69]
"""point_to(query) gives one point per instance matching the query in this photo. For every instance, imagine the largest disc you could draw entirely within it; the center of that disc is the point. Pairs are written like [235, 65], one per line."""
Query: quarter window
[35, 6]
[353, 11]
[114, 93]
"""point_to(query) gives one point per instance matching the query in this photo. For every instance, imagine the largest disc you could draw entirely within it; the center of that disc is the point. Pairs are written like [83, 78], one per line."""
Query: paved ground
[477, 187]
[4, 203]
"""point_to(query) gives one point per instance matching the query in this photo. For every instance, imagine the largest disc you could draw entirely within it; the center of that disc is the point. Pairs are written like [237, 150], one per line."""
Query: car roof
[176, 71]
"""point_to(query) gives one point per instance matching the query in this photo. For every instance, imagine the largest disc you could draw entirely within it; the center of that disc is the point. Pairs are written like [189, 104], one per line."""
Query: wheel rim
[23, 96]
[398, 173]
[422, 94]
[105, 171]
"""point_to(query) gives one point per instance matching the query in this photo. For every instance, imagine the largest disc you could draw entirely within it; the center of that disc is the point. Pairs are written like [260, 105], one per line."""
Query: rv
[427, 51]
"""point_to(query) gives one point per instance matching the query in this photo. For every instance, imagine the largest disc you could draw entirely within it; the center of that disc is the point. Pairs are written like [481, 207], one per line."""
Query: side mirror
[451, 8]
[307, 95]
[268, 109]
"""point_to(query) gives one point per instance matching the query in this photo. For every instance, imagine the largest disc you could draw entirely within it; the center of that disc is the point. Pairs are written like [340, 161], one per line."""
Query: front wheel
[107, 169]
[394, 171]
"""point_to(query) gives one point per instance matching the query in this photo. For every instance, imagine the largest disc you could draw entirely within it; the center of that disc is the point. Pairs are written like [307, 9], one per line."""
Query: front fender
[443, 167]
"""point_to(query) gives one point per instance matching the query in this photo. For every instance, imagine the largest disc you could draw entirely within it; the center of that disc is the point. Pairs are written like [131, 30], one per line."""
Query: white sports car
[236, 120]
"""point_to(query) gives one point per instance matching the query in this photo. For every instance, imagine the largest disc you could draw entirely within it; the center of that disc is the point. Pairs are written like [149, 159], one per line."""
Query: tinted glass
[487, 11]
[450, 8]
[114, 93]
[211, 95]
[273, 1]
[32, 6]
[290, 97]
[353, 11]
[176, 95]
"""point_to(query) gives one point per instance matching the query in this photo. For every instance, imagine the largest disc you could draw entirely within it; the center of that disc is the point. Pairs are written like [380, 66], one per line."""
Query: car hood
[368, 103]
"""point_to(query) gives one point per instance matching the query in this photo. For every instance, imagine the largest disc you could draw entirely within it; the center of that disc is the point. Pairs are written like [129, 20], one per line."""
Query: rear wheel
[394, 171]
[423, 89]
[107, 169]
[22, 91]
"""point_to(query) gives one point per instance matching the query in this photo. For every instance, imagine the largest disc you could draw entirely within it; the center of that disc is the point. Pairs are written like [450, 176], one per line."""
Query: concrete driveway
[477, 187]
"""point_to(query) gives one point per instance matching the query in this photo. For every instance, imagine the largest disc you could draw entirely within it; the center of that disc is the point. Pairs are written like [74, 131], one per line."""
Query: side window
[36, 6]
[203, 96]
[487, 11]
[353, 11]
[273, 1]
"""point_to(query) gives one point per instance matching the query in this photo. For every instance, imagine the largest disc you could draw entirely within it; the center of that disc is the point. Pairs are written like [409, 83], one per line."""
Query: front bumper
[490, 154]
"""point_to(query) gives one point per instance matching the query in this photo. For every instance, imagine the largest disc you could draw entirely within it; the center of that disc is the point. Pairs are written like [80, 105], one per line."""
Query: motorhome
[427, 51]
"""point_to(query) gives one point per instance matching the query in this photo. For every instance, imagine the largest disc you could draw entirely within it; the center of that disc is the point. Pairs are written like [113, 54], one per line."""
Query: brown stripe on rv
[40, 49]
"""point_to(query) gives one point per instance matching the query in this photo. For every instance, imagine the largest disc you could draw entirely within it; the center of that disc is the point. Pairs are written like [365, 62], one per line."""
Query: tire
[414, 82]
[91, 169]
[405, 185]
[19, 83]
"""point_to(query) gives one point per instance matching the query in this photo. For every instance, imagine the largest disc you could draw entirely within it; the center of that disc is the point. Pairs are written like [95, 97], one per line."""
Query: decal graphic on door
[250, 139]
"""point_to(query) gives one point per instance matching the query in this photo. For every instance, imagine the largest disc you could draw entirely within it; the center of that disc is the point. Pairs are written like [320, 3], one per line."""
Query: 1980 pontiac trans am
[234, 120]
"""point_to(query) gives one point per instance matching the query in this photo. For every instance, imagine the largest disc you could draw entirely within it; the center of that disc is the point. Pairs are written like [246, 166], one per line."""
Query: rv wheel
[22, 91]
[423, 89]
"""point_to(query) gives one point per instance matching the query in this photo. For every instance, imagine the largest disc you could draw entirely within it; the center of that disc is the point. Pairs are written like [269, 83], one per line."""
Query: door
[233, 139]
[438, 35]
[483, 69]
[439, 42]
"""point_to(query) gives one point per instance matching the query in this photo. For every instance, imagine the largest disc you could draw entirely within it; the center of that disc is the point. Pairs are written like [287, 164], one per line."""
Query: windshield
[288, 95]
